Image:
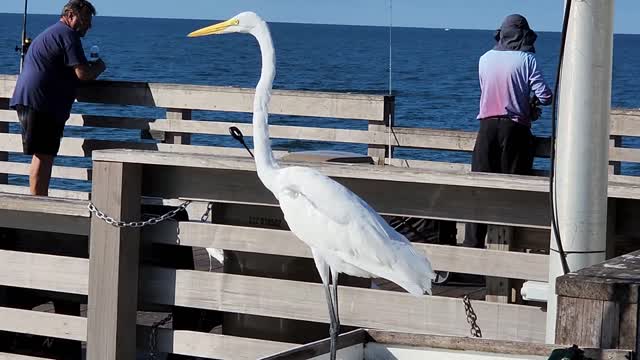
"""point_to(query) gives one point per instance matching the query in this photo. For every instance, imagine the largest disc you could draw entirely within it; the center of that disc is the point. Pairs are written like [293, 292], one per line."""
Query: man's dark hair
[76, 6]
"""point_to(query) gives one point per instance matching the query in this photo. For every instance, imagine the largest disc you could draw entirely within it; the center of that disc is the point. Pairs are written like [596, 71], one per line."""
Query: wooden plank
[44, 214]
[275, 131]
[53, 193]
[430, 165]
[479, 180]
[377, 135]
[177, 116]
[376, 351]
[459, 203]
[576, 322]
[64, 172]
[499, 238]
[37, 221]
[42, 204]
[403, 137]
[628, 326]
[625, 122]
[210, 150]
[75, 146]
[84, 147]
[7, 84]
[43, 324]
[613, 280]
[483, 345]
[384, 150]
[4, 156]
[624, 154]
[44, 272]
[419, 138]
[113, 270]
[214, 346]
[628, 125]
[610, 331]
[321, 347]
[7, 356]
[395, 311]
[195, 97]
[279, 242]
[100, 121]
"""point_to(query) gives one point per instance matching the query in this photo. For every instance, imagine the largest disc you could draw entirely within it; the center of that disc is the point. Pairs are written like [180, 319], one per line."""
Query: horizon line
[312, 23]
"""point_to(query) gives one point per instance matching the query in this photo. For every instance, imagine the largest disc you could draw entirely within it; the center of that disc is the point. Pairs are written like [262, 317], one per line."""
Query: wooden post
[499, 238]
[380, 152]
[113, 264]
[614, 166]
[614, 169]
[597, 306]
[4, 128]
[612, 213]
[178, 138]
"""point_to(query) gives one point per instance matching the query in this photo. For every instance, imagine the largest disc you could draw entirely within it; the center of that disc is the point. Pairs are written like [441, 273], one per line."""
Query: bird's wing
[330, 218]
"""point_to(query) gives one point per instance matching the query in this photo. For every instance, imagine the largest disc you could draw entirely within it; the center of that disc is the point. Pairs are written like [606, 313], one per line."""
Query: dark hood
[515, 35]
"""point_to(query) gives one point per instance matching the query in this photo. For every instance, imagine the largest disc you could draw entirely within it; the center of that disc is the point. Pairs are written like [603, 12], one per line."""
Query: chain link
[153, 336]
[471, 317]
[136, 224]
[207, 213]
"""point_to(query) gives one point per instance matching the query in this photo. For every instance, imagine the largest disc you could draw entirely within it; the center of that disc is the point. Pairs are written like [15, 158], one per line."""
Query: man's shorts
[41, 132]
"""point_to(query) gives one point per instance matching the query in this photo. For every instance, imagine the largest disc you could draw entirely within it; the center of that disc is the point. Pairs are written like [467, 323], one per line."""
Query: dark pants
[502, 146]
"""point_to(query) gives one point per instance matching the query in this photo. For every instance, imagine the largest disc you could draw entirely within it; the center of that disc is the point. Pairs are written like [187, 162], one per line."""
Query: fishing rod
[24, 43]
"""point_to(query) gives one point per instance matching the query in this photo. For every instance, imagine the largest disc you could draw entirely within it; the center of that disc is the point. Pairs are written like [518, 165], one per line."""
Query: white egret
[344, 233]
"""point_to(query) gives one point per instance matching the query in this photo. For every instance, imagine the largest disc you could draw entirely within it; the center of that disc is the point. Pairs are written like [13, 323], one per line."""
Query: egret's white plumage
[344, 233]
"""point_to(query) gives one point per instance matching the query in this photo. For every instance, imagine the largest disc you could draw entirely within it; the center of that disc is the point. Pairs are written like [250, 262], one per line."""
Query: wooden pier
[130, 178]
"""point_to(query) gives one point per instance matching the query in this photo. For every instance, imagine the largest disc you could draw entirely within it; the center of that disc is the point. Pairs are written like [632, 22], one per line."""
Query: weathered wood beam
[280, 242]
[395, 311]
[114, 262]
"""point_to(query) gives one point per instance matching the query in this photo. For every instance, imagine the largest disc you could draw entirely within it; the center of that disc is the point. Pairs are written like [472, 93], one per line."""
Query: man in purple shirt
[44, 93]
[509, 76]
[46, 88]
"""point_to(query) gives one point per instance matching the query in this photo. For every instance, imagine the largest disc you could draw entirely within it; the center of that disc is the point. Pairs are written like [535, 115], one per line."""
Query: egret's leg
[336, 315]
[325, 274]
[334, 279]
[333, 322]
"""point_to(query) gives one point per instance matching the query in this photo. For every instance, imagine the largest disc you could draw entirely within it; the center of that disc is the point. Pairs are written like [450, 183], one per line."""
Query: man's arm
[536, 81]
[90, 71]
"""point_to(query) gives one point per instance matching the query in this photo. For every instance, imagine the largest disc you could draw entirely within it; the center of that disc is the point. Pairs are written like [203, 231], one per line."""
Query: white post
[582, 143]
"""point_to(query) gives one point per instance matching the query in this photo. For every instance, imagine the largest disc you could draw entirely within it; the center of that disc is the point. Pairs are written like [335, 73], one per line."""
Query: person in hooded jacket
[512, 87]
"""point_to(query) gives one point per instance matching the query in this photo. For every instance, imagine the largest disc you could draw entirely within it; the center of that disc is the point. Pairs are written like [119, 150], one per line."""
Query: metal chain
[207, 213]
[153, 336]
[136, 224]
[471, 317]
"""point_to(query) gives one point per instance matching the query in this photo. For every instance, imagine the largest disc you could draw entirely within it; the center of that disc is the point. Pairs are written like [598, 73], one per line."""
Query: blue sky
[468, 14]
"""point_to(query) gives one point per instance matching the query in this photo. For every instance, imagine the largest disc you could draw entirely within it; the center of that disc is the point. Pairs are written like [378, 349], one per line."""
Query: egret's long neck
[265, 162]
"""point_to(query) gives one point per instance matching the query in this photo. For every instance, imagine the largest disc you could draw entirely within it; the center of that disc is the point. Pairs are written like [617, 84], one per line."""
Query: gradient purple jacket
[507, 80]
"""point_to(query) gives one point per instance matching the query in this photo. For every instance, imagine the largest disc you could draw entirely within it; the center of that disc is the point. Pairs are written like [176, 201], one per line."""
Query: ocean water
[433, 72]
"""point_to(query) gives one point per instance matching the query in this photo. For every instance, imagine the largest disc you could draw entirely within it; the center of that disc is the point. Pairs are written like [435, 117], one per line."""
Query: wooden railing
[122, 180]
[179, 101]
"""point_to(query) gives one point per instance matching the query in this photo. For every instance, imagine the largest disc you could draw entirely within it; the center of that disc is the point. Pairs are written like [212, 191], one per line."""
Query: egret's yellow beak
[214, 29]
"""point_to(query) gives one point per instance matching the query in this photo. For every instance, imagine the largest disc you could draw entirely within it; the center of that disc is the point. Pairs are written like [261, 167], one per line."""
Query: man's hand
[98, 66]
[534, 108]
[90, 71]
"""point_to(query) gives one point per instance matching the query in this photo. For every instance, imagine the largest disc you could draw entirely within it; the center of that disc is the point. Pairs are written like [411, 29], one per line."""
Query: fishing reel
[23, 49]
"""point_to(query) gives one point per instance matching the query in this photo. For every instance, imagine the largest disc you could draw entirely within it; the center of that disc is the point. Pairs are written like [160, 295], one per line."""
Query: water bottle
[94, 54]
